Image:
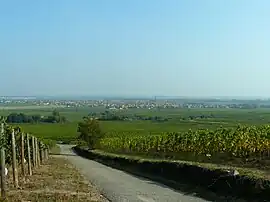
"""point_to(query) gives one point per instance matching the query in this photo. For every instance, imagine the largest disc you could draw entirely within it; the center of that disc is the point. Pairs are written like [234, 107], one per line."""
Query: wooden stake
[14, 164]
[37, 152]
[22, 155]
[3, 174]
[29, 155]
[46, 154]
[3, 166]
[41, 153]
[38, 146]
[34, 151]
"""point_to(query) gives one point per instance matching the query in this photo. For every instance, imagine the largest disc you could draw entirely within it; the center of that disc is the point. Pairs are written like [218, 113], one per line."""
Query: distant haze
[141, 48]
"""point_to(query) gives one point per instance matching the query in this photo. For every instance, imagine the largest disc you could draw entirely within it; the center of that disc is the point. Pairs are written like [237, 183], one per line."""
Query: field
[178, 121]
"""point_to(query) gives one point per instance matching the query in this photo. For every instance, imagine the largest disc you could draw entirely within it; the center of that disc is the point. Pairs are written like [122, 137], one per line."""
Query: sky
[135, 47]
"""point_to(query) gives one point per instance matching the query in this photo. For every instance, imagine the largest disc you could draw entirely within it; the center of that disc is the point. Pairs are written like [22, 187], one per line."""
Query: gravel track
[118, 186]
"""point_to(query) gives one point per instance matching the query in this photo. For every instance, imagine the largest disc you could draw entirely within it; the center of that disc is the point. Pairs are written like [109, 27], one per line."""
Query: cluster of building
[135, 104]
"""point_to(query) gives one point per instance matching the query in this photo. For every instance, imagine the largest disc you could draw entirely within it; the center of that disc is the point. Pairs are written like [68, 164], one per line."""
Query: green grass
[251, 172]
[146, 127]
[67, 132]
[55, 150]
[58, 132]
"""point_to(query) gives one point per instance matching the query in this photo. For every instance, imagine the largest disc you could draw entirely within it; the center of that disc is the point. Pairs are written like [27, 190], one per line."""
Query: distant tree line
[198, 117]
[111, 116]
[55, 117]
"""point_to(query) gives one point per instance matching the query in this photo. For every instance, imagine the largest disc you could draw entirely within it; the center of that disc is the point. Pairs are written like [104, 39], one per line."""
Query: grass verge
[248, 185]
[55, 150]
[56, 180]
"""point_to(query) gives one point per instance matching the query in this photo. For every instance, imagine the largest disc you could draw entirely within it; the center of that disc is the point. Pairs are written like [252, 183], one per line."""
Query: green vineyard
[18, 148]
[240, 142]
[6, 141]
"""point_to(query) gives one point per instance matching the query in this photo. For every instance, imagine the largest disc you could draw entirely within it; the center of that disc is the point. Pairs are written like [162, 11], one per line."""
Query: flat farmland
[179, 120]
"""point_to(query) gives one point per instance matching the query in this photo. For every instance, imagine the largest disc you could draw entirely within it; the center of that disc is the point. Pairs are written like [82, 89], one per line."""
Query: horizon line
[136, 96]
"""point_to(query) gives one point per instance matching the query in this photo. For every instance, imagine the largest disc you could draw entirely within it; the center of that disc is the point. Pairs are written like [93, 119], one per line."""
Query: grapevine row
[5, 142]
[18, 148]
[242, 142]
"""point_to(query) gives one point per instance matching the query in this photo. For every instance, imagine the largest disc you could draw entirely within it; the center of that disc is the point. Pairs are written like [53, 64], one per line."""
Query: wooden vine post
[22, 156]
[28, 155]
[3, 166]
[36, 147]
[46, 153]
[3, 174]
[14, 163]
[34, 151]
[41, 153]
[37, 152]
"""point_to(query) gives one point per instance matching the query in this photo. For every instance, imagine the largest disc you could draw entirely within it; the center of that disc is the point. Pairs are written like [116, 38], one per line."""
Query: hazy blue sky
[135, 47]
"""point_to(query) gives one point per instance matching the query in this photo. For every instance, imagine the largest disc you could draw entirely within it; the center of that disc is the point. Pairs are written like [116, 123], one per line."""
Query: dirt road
[119, 186]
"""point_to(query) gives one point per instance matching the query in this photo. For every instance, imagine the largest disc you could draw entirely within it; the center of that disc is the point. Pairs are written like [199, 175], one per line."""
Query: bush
[90, 132]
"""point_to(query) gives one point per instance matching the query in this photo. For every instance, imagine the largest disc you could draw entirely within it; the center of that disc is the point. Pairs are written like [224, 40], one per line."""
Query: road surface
[118, 186]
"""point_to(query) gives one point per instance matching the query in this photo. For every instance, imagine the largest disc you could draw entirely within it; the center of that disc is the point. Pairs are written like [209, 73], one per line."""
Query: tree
[90, 131]
[56, 116]
[63, 119]
[55, 113]
[36, 118]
